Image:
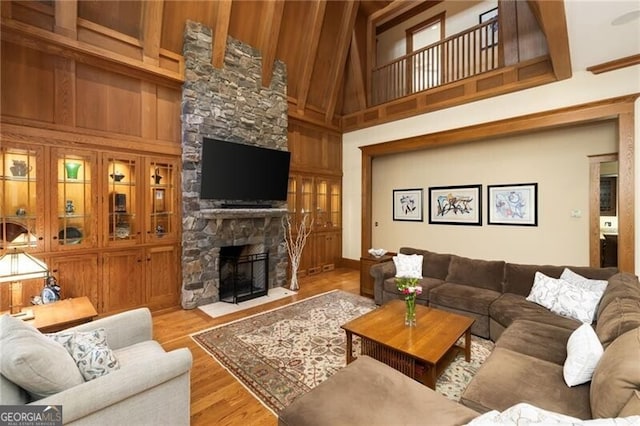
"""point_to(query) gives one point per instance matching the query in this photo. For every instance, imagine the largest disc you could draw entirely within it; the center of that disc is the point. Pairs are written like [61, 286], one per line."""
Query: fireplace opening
[243, 273]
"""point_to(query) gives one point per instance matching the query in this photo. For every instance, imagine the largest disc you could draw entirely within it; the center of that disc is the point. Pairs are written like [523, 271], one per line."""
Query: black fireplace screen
[242, 277]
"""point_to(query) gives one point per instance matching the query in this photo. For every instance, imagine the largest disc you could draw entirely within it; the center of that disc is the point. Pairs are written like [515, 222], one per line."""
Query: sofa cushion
[624, 285]
[426, 283]
[510, 307]
[543, 341]
[464, 297]
[368, 392]
[33, 361]
[434, 265]
[584, 350]
[507, 378]
[632, 407]
[545, 290]
[620, 316]
[486, 274]
[617, 376]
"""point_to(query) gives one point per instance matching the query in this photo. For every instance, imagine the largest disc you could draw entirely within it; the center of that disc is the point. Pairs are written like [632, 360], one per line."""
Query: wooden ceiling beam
[553, 22]
[66, 18]
[268, 38]
[152, 30]
[311, 41]
[220, 33]
[358, 75]
[342, 51]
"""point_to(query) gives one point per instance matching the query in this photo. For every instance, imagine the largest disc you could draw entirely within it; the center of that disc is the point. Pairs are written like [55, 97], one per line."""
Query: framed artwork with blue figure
[513, 204]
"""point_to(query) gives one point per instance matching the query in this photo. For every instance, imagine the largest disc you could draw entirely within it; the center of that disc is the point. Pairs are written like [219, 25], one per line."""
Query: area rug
[219, 309]
[283, 353]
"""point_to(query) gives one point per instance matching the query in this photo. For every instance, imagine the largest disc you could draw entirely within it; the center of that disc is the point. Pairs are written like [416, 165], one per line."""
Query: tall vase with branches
[295, 237]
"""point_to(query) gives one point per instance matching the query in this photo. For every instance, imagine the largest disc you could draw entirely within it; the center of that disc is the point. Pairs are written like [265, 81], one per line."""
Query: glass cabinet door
[307, 202]
[21, 216]
[292, 199]
[321, 203]
[161, 205]
[74, 202]
[122, 199]
[335, 212]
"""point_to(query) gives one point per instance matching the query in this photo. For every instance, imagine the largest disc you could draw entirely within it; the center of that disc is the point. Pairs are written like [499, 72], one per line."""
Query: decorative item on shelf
[156, 176]
[11, 231]
[295, 244]
[69, 235]
[408, 287]
[16, 266]
[377, 252]
[119, 202]
[117, 176]
[20, 168]
[160, 230]
[72, 170]
[21, 211]
[51, 290]
[69, 208]
[122, 230]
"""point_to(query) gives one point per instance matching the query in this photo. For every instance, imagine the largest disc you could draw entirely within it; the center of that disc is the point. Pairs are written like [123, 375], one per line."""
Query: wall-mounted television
[238, 172]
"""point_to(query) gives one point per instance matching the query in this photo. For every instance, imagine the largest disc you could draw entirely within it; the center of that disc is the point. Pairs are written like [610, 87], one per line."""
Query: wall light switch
[576, 213]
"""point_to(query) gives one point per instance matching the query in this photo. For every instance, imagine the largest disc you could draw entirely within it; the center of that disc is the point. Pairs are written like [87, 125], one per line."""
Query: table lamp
[16, 266]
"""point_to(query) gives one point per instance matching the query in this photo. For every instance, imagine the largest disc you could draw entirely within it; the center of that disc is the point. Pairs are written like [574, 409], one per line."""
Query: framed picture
[158, 200]
[489, 37]
[456, 205]
[515, 204]
[407, 204]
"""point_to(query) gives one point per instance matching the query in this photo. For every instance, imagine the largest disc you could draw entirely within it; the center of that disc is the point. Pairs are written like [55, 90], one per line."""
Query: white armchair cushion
[34, 362]
[584, 350]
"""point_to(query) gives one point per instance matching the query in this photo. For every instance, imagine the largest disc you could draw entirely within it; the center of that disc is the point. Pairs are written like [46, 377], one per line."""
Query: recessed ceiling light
[625, 18]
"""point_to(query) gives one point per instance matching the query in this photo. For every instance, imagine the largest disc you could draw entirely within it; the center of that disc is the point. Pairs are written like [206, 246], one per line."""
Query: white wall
[557, 160]
[583, 87]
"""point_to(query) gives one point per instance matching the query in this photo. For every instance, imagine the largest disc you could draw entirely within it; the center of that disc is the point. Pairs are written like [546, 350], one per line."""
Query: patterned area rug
[283, 353]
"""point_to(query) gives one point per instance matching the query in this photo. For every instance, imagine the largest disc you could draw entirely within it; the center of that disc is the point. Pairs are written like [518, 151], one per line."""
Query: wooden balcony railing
[460, 56]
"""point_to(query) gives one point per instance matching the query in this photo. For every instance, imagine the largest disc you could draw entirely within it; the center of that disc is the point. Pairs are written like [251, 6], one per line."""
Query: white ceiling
[593, 39]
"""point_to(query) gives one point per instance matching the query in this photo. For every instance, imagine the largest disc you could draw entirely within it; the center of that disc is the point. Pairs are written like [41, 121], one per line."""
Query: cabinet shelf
[74, 181]
[21, 179]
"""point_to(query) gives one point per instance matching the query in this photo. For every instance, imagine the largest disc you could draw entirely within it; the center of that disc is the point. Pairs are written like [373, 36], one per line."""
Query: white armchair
[150, 387]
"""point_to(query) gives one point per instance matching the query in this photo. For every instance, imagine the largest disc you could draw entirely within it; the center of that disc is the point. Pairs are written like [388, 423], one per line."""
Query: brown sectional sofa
[525, 366]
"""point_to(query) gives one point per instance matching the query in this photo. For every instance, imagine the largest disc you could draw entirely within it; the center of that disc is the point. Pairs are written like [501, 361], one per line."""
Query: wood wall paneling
[27, 83]
[123, 16]
[109, 39]
[168, 107]
[176, 13]
[38, 14]
[108, 101]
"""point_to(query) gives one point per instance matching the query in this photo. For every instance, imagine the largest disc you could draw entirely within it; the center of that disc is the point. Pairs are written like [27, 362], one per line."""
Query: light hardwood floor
[217, 398]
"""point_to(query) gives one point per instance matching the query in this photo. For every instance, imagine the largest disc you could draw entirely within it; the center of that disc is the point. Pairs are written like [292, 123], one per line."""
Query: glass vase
[410, 311]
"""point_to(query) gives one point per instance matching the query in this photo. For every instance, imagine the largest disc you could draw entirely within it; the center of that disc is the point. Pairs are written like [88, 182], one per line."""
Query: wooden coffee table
[421, 352]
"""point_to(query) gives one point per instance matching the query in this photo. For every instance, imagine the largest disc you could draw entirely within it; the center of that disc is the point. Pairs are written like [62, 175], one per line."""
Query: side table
[366, 280]
[62, 314]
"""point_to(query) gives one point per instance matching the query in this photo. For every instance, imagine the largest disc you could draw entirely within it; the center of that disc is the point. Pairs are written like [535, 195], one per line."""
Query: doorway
[603, 210]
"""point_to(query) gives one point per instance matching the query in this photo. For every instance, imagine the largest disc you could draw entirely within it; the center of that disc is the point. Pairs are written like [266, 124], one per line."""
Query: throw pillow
[90, 352]
[576, 302]
[545, 290]
[39, 365]
[584, 350]
[409, 266]
[589, 284]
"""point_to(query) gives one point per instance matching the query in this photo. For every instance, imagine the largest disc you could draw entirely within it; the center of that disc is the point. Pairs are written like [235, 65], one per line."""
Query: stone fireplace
[228, 104]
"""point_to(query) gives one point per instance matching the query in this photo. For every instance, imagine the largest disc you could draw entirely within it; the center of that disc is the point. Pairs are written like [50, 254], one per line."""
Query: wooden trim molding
[620, 109]
[615, 65]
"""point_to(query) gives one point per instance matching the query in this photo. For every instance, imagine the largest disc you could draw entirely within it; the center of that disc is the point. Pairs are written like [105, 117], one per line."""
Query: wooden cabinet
[122, 277]
[161, 273]
[328, 249]
[366, 280]
[105, 221]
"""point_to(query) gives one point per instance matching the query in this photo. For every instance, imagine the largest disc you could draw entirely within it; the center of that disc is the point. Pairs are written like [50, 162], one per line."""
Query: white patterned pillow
[90, 351]
[584, 350]
[591, 285]
[545, 290]
[408, 265]
[577, 303]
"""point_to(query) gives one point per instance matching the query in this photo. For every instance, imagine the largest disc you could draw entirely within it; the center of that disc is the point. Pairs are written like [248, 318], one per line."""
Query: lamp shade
[18, 266]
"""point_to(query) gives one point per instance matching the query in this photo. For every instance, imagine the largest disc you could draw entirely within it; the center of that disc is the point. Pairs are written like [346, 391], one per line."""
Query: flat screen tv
[239, 172]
